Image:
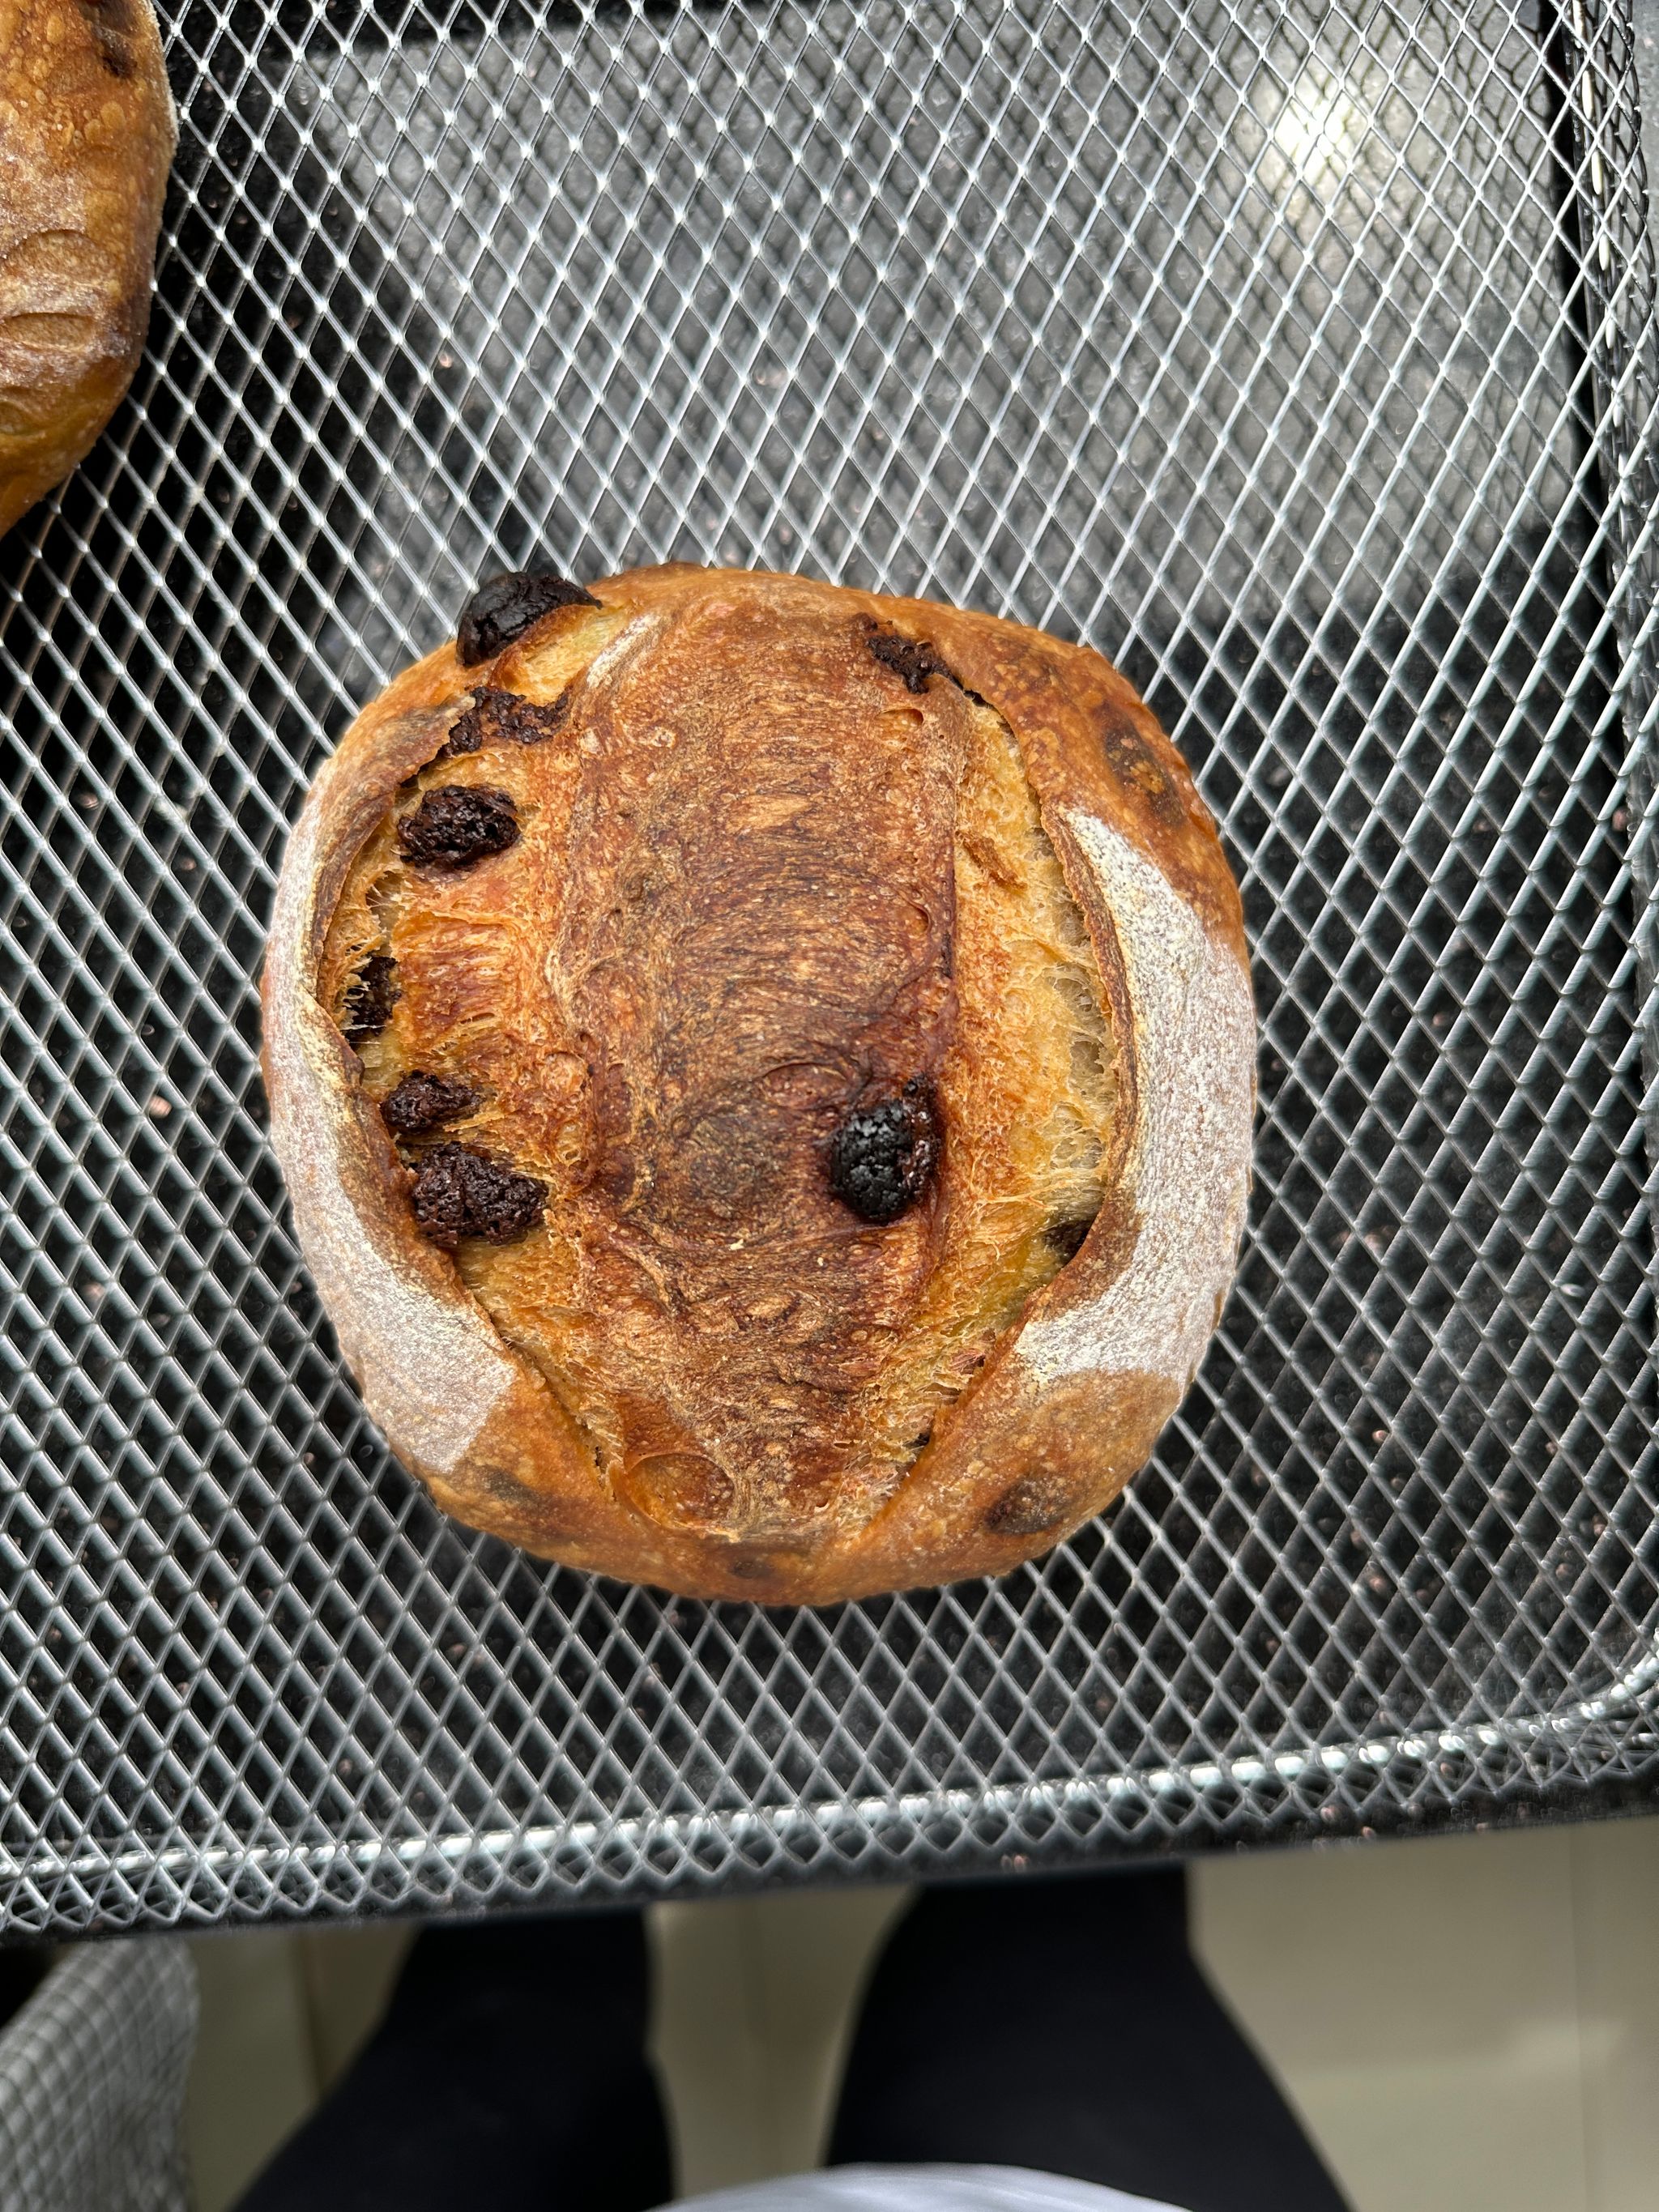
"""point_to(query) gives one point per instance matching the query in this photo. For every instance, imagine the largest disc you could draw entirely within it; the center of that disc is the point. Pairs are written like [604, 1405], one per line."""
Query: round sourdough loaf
[87, 133]
[764, 1074]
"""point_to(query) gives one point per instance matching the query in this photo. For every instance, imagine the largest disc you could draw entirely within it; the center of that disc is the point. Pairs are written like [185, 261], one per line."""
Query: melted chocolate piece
[911, 660]
[458, 824]
[459, 1192]
[465, 737]
[884, 1152]
[423, 1102]
[503, 607]
[369, 998]
[495, 716]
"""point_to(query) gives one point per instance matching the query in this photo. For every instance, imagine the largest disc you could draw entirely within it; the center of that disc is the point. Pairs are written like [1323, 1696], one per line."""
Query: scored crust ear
[1071, 1400]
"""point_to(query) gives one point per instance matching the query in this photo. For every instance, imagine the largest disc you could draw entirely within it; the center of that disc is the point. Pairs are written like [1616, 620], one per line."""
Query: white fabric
[922, 2189]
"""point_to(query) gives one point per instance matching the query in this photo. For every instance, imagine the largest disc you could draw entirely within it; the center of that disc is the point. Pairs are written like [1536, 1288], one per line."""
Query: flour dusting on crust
[432, 1372]
[1189, 1164]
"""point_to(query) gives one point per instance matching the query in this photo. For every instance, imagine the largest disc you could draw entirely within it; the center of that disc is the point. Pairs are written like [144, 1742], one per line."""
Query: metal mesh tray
[1303, 356]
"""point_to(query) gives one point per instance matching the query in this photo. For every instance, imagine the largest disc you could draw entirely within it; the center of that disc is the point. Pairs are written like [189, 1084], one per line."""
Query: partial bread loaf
[87, 133]
[764, 1076]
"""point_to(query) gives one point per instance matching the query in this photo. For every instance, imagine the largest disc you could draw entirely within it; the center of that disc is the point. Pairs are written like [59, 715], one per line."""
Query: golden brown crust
[87, 133]
[1071, 1397]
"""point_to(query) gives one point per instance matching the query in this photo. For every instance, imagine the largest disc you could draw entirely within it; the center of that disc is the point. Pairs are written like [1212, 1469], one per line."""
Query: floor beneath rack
[1466, 2021]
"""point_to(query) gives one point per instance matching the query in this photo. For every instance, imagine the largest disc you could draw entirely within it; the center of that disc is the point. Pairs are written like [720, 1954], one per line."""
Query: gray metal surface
[92, 2083]
[1302, 356]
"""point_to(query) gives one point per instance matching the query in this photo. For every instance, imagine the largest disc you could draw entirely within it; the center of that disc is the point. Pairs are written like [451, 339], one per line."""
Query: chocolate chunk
[369, 997]
[497, 716]
[503, 608]
[912, 660]
[459, 1192]
[883, 1153]
[1066, 1238]
[465, 737]
[458, 824]
[423, 1101]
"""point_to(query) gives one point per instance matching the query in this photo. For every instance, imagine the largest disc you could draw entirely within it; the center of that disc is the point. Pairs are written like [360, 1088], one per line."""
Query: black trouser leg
[509, 2072]
[1063, 2024]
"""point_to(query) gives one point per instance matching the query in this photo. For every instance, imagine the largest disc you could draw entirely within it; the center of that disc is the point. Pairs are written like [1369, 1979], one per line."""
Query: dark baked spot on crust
[1066, 1238]
[1134, 763]
[458, 824]
[461, 1192]
[496, 717]
[912, 661]
[422, 1102]
[882, 1155]
[370, 997]
[112, 27]
[750, 1570]
[1031, 1507]
[503, 607]
[528, 1516]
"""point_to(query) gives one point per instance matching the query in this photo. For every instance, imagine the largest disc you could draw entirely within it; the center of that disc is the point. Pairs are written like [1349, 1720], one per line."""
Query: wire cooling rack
[1302, 356]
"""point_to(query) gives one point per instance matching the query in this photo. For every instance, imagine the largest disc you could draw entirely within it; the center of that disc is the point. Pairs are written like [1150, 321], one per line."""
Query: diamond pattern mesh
[1301, 355]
